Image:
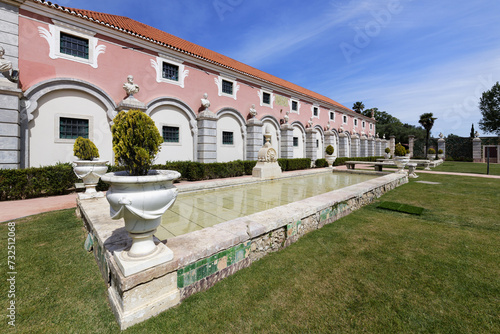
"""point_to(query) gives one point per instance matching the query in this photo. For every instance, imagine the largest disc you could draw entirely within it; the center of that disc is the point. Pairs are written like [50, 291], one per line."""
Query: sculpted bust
[205, 102]
[253, 112]
[5, 65]
[130, 87]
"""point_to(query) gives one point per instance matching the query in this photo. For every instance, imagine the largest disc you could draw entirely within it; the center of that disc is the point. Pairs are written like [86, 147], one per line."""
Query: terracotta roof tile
[160, 37]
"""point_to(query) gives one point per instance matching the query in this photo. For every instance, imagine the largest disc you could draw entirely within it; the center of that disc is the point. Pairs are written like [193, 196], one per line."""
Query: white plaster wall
[45, 147]
[229, 152]
[173, 116]
[298, 152]
[274, 137]
[320, 150]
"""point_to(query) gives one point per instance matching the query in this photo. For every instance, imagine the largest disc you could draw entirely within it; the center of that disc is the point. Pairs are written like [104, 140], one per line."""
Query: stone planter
[141, 201]
[387, 155]
[330, 159]
[441, 156]
[401, 162]
[90, 171]
[431, 156]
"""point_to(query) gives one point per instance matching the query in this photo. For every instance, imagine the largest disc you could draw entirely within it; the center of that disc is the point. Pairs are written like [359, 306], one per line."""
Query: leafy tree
[489, 104]
[427, 121]
[358, 107]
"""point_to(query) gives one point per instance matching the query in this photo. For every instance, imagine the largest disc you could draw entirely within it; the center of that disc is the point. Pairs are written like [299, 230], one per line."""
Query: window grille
[74, 46]
[72, 128]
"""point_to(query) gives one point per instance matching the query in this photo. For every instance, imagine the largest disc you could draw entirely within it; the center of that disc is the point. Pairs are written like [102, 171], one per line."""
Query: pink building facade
[66, 78]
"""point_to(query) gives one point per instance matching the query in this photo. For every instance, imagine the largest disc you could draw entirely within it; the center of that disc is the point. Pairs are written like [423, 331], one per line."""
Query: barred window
[170, 71]
[227, 138]
[315, 111]
[317, 143]
[72, 128]
[295, 141]
[294, 105]
[74, 46]
[227, 87]
[266, 98]
[344, 119]
[332, 116]
[170, 134]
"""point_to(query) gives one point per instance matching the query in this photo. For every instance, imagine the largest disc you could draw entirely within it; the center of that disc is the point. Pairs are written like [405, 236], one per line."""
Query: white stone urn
[330, 159]
[401, 162]
[441, 156]
[90, 171]
[431, 156]
[141, 201]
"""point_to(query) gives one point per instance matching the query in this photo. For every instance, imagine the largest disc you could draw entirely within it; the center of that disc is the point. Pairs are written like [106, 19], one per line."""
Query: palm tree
[358, 107]
[427, 121]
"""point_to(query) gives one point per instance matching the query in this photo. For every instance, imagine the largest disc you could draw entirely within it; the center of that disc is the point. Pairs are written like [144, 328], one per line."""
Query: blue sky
[406, 57]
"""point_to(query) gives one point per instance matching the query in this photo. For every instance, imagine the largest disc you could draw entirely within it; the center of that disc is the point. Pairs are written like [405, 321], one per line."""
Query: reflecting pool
[197, 210]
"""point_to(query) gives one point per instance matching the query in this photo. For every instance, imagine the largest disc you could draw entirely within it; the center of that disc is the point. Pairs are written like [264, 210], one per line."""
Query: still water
[197, 210]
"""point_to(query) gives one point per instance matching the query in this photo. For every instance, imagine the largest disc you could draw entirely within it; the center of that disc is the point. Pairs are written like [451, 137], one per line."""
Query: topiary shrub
[431, 151]
[387, 150]
[329, 150]
[399, 150]
[440, 151]
[84, 149]
[320, 163]
[136, 141]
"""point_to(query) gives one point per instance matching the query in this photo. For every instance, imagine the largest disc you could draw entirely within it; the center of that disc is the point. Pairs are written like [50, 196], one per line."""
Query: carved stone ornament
[267, 153]
[130, 87]
[286, 117]
[310, 122]
[253, 112]
[441, 135]
[5, 65]
[476, 134]
[205, 102]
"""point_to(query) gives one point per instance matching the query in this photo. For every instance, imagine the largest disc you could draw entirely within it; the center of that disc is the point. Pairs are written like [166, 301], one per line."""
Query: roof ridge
[158, 36]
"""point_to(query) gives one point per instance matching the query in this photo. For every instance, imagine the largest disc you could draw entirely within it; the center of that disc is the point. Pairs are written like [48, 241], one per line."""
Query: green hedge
[60, 179]
[320, 163]
[36, 182]
[294, 164]
[341, 161]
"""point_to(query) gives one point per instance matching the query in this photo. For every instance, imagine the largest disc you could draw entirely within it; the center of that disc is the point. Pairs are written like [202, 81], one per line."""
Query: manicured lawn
[467, 167]
[373, 271]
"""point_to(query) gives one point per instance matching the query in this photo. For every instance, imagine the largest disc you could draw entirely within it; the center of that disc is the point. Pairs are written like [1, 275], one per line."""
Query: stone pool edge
[204, 257]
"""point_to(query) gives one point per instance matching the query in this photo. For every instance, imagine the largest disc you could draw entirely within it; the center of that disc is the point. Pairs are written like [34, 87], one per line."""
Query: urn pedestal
[90, 171]
[141, 201]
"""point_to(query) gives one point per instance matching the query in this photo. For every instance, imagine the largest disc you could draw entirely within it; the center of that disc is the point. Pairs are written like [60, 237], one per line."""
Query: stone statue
[476, 134]
[328, 126]
[5, 65]
[310, 122]
[205, 102]
[377, 135]
[441, 135]
[286, 117]
[341, 129]
[253, 112]
[130, 87]
[383, 136]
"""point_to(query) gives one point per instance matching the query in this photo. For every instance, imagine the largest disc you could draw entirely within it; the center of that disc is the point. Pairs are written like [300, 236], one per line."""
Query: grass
[372, 271]
[405, 208]
[467, 167]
